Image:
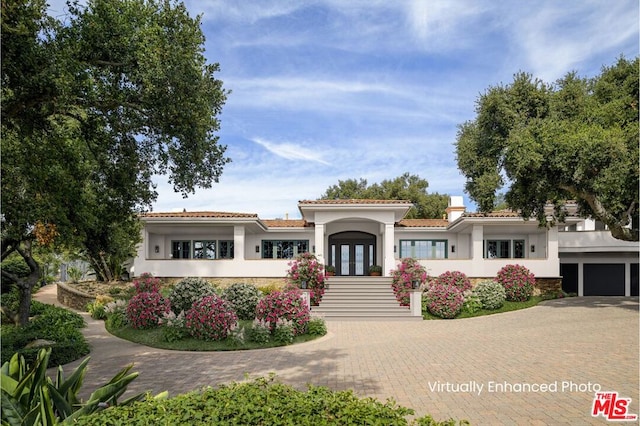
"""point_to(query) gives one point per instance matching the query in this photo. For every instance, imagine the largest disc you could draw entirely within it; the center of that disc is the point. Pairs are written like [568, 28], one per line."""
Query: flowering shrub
[211, 318]
[490, 293]
[284, 305]
[407, 271]
[317, 327]
[518, 282]
[306, 268]
[260, 331]
[145, 309]
[283, 332]
[243, 298]
[472, 302]
[454, 278]
[444, 301]
[187, 291]
[146, 283]
[116, 312]
[173, 326]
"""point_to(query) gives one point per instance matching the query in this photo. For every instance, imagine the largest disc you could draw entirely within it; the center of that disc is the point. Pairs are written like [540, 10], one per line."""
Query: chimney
[455, 208]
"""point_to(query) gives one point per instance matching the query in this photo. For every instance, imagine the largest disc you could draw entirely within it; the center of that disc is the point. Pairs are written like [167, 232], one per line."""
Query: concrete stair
[361, 298]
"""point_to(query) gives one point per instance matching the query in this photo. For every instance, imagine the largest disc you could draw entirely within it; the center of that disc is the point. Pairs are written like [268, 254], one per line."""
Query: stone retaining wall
[73, 298]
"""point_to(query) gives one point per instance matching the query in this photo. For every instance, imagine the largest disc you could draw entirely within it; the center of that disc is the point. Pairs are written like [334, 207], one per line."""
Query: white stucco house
[353, 235]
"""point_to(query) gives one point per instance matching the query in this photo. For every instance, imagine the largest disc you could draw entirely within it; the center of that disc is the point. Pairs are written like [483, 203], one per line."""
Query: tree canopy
[405, 187]
[575, 139]
[93, 107]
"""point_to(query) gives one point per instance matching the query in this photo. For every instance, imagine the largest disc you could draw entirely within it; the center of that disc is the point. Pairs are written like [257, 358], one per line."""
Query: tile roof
[424, 223]
[221, 215]
[500, 213]
[285, 223]
[354, 201]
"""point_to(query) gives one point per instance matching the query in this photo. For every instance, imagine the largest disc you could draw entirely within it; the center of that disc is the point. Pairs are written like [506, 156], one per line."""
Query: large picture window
[226, 249]
[504, 249]
[180, 249]
[424, 249]
[283, 249]
[204, 249]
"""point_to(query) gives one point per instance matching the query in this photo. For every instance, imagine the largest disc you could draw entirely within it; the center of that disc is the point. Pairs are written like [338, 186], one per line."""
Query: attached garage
[604, 279]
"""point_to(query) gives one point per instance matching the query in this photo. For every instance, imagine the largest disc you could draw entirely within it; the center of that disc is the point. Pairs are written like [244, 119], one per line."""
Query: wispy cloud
[291, 151]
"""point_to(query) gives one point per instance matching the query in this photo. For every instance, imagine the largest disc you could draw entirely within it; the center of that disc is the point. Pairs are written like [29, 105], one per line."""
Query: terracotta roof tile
[221, 215]
[500, 213]
[354, 201]
[285, 223]
[424, 223]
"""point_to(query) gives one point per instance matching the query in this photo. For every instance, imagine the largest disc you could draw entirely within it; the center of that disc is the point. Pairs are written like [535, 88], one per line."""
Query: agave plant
[30, 397]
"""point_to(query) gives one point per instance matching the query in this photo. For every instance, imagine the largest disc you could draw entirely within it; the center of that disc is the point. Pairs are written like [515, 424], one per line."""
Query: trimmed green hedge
[260, 402]
[51, 323]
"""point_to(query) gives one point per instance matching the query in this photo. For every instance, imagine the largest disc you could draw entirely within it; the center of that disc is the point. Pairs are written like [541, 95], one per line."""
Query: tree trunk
[26, 285]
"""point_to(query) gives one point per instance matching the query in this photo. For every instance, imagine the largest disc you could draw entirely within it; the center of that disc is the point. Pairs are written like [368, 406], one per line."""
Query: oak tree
[575, 139]
[95, 103]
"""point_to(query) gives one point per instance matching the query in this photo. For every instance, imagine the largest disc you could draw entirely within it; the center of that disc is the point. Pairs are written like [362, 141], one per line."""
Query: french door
[352, 253]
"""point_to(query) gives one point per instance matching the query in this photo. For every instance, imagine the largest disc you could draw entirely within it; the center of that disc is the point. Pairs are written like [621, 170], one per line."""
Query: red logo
[611, 407]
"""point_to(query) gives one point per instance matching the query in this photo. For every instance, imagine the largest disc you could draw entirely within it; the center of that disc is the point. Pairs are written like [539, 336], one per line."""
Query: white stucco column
[627, 279]
[477, 237]
[553, 259]
[319, 239]
[389, 239]
[238, 242]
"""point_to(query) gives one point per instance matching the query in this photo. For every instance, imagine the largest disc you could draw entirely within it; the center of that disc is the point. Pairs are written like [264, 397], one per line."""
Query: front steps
[361, 298]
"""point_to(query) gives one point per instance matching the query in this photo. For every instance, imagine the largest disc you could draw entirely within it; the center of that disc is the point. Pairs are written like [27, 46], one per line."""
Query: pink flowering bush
[306, 269]
[145, 310]
[146, 283]
[408, 270]
[286, 305]
[211, 318]
[445, 301]
[454, 278]
[518, 282]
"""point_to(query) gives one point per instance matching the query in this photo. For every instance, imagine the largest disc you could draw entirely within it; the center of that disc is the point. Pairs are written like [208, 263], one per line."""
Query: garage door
[604, 279]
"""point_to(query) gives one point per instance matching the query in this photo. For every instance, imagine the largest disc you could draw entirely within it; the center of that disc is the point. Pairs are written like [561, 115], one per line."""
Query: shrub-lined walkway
[575, 341]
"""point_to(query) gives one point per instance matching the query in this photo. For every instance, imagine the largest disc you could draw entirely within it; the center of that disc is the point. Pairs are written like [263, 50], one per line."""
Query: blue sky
[330, 90]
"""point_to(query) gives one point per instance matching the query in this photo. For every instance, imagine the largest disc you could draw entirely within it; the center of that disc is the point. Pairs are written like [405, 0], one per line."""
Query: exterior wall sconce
[157, 249]
[257, 249]
[533, 248]
[453, 249]
[395, 249]
[313, 249]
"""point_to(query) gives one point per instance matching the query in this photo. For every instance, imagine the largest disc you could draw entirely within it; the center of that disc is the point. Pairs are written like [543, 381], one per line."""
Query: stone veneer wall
[543, 285]
[73, 298]
[226, 282]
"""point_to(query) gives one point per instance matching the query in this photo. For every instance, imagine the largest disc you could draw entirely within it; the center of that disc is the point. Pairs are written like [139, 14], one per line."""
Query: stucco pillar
[389, 239]
[553, 259]
[319, 239]
[477, 258]
[238, 242]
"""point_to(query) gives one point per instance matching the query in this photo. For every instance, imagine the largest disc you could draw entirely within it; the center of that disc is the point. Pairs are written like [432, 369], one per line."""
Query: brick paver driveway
[477, 369]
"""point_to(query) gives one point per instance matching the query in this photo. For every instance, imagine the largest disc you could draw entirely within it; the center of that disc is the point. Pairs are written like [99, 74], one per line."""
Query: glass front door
[352, 253]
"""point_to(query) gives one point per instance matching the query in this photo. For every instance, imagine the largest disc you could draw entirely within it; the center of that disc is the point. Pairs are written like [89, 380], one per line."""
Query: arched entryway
[352, 252]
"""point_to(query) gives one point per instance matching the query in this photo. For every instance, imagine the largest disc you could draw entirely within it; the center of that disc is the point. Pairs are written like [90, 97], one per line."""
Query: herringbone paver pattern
[572, 346]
